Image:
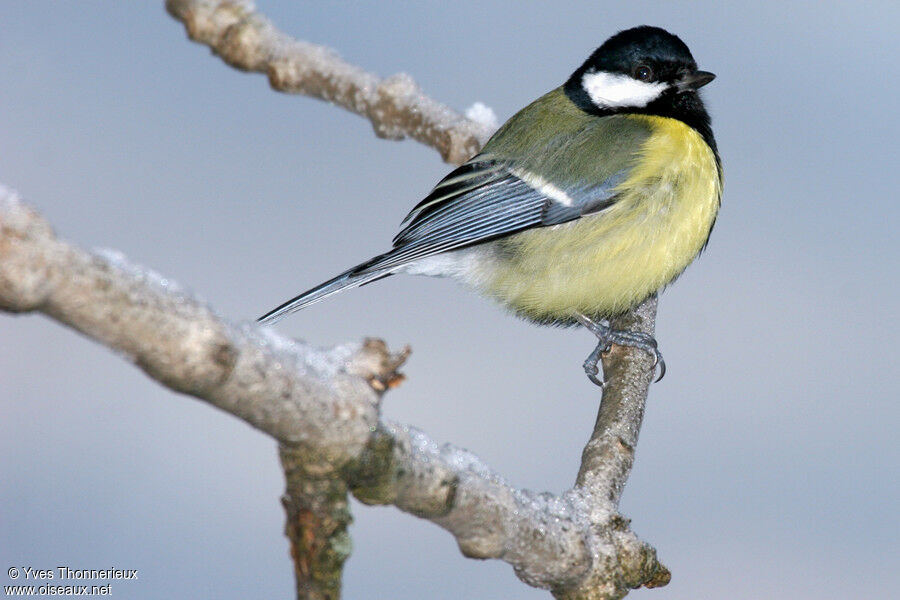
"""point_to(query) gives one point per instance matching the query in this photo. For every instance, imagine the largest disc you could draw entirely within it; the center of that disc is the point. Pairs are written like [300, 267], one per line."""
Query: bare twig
[396, 106]
[317, 519]
[608, 456]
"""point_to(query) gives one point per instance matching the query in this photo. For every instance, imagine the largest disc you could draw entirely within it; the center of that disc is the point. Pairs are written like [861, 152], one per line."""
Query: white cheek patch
[615, 90]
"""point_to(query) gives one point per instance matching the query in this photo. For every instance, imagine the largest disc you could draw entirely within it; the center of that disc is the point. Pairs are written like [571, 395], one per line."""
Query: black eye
[643, 73]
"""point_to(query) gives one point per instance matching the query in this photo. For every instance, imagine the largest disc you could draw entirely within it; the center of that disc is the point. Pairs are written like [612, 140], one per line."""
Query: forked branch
[322, 405]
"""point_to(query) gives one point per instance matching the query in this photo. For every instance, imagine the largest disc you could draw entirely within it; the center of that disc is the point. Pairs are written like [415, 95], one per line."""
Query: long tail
[350, 278]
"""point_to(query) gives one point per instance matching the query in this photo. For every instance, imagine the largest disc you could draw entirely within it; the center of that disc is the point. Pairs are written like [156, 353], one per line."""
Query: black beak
[694, 81]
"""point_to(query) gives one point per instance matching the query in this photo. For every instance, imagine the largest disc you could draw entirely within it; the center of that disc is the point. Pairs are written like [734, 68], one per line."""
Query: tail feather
[348, 279]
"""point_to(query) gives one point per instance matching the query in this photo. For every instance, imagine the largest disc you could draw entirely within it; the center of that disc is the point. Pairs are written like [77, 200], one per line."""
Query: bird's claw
[659, 362]
[652, 348]
[607, 336]
[591, 363]
[592, 375]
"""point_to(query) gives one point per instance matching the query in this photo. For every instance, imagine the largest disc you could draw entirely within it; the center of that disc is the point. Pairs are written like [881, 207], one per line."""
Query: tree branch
[396, 106]
[317, 519]
[322, 405]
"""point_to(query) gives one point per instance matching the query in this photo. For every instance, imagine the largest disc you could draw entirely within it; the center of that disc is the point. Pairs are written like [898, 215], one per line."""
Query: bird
[584, 204]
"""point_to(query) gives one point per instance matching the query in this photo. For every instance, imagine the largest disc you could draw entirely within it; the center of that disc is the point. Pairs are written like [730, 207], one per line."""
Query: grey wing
[477, 202]
[483, 200]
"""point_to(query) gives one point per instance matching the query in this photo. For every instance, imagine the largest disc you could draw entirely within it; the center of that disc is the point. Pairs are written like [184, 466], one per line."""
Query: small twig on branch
[396, 106]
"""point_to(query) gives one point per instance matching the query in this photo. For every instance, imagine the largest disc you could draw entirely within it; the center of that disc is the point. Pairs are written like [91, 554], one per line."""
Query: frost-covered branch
[323, 407]
[291, 391]
[396, 106]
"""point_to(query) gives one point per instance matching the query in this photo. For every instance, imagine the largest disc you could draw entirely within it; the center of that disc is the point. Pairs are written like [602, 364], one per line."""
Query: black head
[642, 70]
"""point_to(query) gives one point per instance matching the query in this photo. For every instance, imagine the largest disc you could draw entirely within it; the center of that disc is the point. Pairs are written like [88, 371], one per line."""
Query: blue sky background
[768, 461]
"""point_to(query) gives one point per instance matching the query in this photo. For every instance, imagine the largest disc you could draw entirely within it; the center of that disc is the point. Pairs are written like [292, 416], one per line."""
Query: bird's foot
[607, 336]
[591, 363]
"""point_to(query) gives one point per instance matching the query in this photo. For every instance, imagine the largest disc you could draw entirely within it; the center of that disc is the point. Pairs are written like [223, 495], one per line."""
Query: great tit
[584, 204]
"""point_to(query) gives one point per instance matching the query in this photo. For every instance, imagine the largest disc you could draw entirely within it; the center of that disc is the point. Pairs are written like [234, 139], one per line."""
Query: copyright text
[31, 581]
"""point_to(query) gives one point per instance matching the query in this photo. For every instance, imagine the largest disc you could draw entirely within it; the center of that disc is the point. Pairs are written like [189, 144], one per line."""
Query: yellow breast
[603, 264]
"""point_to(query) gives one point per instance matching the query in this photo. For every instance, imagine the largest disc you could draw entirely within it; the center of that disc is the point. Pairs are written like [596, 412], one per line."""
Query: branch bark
[396, 106]
[318, 515]
[322, 405]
